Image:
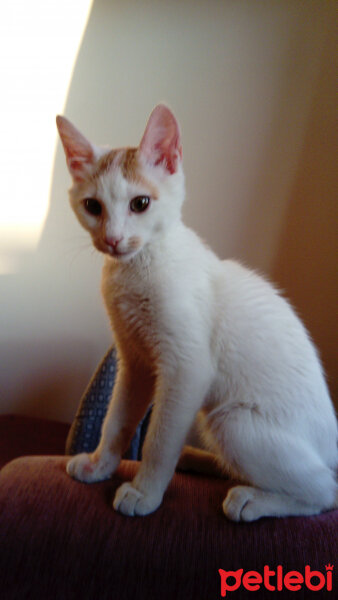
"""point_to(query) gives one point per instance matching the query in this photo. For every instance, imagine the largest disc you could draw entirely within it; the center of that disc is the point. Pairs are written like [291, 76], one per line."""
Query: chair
[61, 539]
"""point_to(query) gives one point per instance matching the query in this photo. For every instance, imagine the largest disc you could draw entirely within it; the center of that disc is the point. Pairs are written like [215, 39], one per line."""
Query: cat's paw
[239, 504]
[88, 468]
[131, 502]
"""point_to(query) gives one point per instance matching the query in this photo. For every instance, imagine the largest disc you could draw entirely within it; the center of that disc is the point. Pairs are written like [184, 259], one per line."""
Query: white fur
[212, 340]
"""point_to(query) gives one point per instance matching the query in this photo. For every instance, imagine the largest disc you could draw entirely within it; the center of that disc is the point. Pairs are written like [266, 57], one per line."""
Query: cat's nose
[113, 241]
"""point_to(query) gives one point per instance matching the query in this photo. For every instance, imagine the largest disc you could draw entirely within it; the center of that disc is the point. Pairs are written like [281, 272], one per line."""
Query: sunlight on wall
[39, 43]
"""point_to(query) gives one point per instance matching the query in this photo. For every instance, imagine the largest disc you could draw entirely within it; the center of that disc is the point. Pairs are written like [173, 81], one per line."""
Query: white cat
[199, 336]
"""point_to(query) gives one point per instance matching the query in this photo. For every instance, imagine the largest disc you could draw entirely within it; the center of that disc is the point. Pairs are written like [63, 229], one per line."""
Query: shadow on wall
[48, 374]
[307, 258]
[240, 78]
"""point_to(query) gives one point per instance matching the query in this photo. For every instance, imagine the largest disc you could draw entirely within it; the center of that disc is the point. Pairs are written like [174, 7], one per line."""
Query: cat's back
[248, 294]
[259, 333]
[255, 313]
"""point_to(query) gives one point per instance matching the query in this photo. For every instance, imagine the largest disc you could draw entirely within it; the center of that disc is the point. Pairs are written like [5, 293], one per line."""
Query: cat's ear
[161, 142]
[80, 153]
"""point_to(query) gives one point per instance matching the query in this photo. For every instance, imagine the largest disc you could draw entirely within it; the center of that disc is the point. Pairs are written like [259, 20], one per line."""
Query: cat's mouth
[119, 253]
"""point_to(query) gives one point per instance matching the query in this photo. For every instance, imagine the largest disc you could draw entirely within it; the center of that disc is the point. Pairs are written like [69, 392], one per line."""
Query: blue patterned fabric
[84, 434]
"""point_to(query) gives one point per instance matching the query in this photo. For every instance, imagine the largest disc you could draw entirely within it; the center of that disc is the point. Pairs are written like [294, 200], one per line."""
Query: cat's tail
[200, 461]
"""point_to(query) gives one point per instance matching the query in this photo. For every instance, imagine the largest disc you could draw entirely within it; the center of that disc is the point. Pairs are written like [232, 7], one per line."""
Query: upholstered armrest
[61, 539]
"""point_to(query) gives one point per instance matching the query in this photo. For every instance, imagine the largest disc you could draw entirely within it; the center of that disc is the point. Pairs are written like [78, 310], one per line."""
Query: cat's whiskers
[73, 251]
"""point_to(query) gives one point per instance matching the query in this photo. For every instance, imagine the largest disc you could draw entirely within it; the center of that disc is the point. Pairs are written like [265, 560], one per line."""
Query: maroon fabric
[60, 539]
[27, 435]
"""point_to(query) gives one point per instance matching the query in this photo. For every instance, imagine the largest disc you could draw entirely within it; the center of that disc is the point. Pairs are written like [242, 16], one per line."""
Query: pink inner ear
[161, 140]
[79, 151]
[78, 167]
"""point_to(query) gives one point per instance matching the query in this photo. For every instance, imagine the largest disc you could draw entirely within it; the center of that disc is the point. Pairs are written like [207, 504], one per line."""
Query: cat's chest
[157, 307]
[132, 307]
[132, 304]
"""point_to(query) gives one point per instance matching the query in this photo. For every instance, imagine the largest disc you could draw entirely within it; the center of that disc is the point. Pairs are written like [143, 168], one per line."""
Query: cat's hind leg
[282, 471]
[247, 503]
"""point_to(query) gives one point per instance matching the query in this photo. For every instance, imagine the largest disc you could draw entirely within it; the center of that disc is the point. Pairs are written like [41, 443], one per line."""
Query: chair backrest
[84, 434]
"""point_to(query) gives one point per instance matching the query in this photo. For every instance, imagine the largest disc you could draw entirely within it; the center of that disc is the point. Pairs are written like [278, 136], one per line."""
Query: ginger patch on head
[126, 160]
[105, 163]
[132, 171]
[129, 164]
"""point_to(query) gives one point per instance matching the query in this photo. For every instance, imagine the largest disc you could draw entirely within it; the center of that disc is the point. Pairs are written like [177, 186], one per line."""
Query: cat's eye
[139, 204]
[93, 206]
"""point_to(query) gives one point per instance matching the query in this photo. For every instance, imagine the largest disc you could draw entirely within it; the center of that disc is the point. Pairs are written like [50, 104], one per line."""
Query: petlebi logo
[276, 580]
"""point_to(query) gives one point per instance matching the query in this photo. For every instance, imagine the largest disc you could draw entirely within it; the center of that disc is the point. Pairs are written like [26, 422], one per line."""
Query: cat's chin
[121, 256]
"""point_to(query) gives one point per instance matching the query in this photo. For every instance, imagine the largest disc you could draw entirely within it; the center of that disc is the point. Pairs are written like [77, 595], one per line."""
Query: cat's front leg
[92, 467]
[133, 392]
[176, 405]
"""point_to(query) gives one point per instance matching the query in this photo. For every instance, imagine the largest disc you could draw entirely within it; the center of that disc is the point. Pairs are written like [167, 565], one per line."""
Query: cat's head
[125, 198]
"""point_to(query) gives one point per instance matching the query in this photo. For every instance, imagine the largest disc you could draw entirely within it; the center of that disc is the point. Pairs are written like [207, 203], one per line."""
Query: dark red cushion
[60, 539]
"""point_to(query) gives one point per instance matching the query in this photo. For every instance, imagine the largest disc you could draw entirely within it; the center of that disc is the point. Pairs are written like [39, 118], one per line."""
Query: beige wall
[252, 86]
